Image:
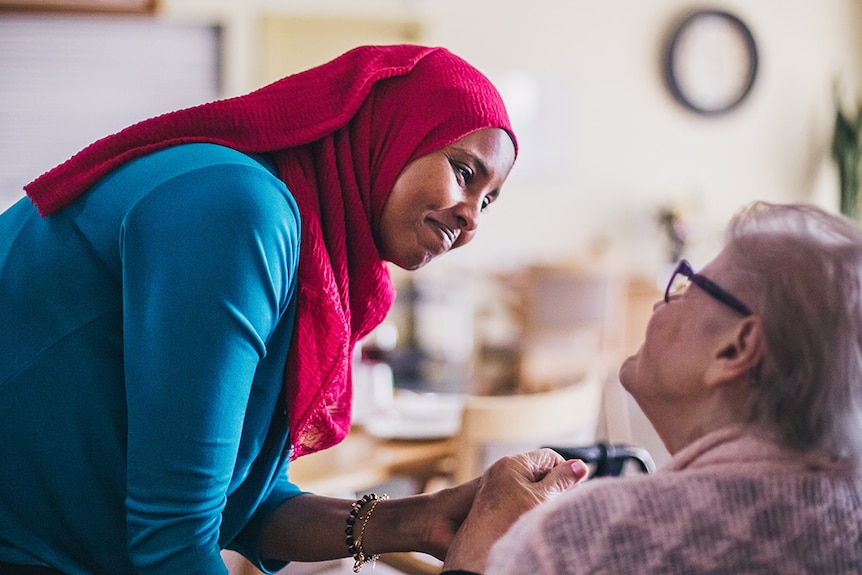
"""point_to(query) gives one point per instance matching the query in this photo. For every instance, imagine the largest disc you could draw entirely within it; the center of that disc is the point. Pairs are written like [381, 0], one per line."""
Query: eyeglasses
[684, 269]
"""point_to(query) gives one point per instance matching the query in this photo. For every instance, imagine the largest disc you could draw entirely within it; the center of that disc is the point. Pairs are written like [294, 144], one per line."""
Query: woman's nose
[468, 216]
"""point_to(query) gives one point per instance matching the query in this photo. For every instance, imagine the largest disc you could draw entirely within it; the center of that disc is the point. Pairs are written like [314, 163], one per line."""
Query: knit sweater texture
[732, 502]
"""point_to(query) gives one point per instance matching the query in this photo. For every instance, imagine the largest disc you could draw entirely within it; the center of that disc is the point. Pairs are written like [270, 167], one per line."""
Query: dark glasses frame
[684, 268]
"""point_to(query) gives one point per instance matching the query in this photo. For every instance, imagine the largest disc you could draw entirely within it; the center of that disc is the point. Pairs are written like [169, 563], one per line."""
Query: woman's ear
[738, 352]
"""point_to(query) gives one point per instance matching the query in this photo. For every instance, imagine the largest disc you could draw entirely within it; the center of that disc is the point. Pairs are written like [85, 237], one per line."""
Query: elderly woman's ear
[739, 351]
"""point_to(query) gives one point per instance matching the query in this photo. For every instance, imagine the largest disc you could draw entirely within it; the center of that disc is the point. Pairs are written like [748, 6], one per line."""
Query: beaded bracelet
[354, 542]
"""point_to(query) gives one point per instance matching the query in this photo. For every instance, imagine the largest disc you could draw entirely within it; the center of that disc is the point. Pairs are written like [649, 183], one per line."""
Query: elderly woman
[751, 372]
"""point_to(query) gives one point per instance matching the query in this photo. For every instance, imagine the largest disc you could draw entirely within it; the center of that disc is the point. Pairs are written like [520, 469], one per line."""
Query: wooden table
[362, 461]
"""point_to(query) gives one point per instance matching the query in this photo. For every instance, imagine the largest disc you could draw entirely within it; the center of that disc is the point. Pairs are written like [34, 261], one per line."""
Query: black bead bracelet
[353, 541]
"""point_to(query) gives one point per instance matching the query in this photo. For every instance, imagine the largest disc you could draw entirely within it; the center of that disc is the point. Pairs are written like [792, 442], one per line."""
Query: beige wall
[607, 145]
[604, 145]
[630, 147]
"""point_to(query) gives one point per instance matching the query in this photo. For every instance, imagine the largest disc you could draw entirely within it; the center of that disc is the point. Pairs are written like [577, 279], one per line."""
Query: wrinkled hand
[507, 490]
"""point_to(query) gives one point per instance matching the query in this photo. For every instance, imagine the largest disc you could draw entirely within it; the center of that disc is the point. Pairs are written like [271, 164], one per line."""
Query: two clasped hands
[508, 489]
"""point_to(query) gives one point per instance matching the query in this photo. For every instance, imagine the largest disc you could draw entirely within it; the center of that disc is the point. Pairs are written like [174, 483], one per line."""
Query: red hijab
[340, 134]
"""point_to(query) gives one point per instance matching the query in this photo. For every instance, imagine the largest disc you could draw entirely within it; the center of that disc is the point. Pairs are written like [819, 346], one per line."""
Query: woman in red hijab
[180, 301]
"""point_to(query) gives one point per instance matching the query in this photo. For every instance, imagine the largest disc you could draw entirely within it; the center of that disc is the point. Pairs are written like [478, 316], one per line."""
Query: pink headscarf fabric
[340, 134]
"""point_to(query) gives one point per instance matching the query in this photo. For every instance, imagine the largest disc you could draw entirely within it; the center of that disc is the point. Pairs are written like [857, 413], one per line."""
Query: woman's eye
[463, 172]
[489, 199]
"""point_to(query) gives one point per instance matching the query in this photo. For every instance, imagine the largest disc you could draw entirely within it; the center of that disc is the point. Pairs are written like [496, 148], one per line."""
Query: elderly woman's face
[680, 342]
[435, 204]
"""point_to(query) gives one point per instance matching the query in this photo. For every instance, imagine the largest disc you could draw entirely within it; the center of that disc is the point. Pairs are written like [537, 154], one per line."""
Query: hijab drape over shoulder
[340, 135]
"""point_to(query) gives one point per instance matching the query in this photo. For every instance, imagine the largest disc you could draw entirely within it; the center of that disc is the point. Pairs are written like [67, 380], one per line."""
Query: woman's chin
[413, 264]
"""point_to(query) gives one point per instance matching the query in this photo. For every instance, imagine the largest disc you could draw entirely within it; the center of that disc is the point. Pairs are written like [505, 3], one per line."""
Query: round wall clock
[710, 62]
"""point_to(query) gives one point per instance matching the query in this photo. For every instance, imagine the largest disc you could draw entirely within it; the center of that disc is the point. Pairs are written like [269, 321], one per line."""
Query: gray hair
[800, 269]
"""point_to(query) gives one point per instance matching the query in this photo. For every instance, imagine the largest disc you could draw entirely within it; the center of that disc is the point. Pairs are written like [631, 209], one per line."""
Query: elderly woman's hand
[508, 489]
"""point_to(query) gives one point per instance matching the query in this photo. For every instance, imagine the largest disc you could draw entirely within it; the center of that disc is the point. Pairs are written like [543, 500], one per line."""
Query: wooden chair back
[493, 426]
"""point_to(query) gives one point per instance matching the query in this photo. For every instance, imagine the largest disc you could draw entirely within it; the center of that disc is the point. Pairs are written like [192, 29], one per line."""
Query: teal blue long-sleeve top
[143, 336]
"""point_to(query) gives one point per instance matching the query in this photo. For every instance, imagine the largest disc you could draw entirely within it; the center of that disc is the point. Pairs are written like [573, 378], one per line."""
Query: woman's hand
[426, 523]
[508, 489]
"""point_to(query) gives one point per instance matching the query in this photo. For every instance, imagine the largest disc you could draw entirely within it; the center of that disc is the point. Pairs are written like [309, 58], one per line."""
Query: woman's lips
[447, 235]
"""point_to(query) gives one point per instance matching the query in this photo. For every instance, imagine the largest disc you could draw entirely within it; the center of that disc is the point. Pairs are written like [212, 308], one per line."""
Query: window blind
[66, 81]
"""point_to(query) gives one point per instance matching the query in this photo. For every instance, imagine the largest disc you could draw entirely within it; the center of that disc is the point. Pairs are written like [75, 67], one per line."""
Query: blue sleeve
[208, 261]
[247, 543]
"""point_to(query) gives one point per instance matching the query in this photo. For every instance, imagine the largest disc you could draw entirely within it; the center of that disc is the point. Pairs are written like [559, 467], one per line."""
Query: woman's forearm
[306, 528]
[312, 528]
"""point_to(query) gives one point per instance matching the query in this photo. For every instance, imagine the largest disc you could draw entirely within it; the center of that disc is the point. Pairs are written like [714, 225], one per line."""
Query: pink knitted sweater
[731, 503]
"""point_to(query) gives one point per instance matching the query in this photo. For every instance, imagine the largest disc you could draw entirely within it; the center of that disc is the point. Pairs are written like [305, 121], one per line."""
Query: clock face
[711, 62]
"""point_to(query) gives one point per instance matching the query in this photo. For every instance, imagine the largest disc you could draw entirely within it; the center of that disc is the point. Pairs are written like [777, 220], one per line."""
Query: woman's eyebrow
[481, 164]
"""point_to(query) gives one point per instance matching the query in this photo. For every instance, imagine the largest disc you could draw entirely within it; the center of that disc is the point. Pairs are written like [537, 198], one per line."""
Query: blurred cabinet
[291, 44]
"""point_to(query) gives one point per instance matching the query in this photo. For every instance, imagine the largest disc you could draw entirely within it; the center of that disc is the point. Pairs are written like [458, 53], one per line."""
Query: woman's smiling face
[435, 203]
